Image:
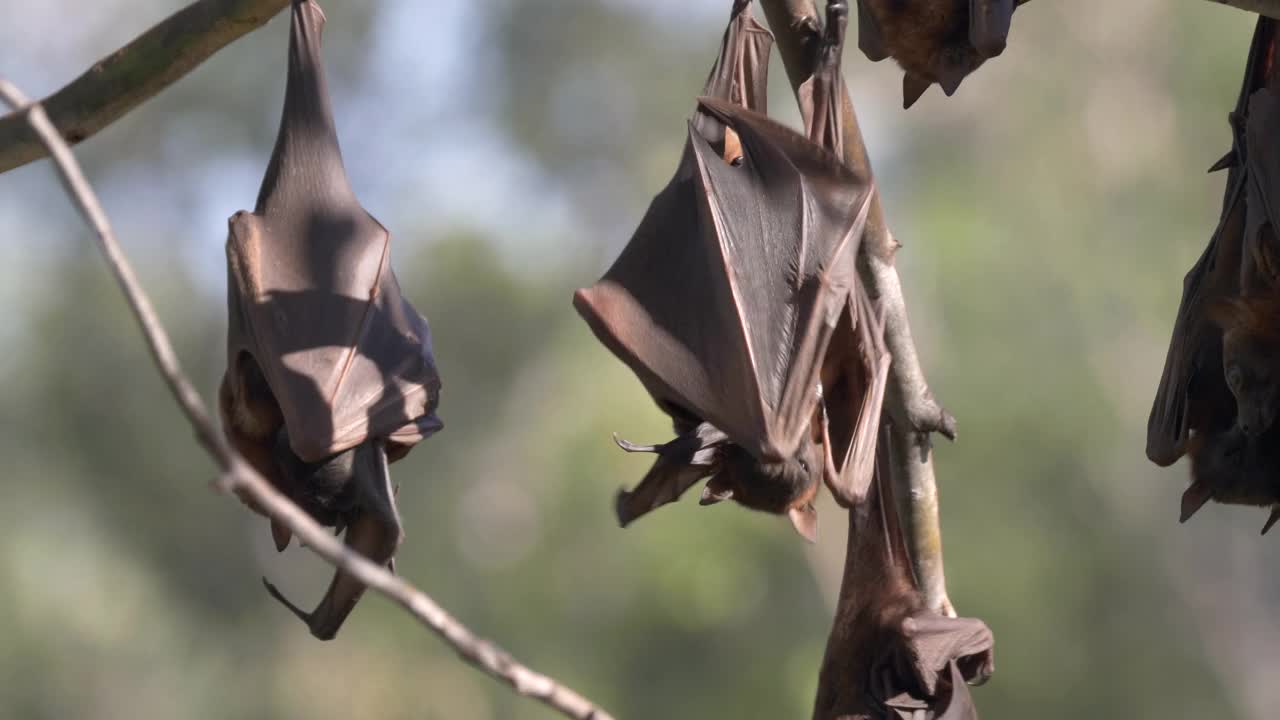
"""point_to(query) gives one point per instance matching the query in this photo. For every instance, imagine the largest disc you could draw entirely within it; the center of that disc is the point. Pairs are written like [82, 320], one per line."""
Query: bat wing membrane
[735, 276]
[311, 293]
[1191, 379]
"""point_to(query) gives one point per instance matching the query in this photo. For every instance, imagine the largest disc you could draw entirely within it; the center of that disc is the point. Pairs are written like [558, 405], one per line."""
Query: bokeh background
[1048, 213]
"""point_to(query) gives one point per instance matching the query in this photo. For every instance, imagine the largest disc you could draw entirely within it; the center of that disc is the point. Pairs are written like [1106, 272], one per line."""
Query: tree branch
[131, 75]
[909, 404]
[237, 475]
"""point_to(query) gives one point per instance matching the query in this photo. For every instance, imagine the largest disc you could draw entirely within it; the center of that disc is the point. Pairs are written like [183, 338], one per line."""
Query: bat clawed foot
[929, 417]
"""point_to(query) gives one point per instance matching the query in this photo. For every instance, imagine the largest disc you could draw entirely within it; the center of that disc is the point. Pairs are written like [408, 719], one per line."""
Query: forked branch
[237, 475]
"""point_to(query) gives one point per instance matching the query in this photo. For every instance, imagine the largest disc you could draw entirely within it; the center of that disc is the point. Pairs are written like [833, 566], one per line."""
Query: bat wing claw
[633, 447]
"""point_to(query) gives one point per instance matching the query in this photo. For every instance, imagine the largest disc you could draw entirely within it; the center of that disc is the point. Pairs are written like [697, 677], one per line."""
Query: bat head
[786, 486]
[1251, 359]
[1232, 468]
[325, 489]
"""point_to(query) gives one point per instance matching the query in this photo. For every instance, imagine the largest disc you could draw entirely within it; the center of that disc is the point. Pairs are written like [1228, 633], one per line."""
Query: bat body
[1251, 358]
[330, 374]
[1220, 390]
[729, 298]
[935, 41]
[889, 657]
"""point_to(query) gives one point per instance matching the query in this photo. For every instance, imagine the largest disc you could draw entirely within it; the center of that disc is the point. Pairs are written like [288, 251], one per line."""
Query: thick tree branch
[131, 75]
[237, 475]
[909, 405]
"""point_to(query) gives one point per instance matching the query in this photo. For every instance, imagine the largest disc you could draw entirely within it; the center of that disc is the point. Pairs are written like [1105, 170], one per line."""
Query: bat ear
[805, 520]
[716, 490]
[1271, 519]
[1230, 160]
[1194, 498]
[280, 534]
[913, 86]
[950, 78]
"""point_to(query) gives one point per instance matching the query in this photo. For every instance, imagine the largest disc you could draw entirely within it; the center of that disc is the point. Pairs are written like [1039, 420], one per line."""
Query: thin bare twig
[237, 475]
[909, 404]
[124, 79]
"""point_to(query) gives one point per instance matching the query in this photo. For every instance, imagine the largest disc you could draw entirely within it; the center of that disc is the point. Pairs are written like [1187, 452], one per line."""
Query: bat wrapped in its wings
[330, 374]
[736, 302]
[935, 41]
[889, 657]
[1217, 398]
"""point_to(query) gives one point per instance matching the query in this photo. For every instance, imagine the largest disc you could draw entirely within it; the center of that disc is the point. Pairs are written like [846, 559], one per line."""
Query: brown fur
[1229, 468]
[1257, 316]
[250, 420]
[1251, 358]
[928, 38]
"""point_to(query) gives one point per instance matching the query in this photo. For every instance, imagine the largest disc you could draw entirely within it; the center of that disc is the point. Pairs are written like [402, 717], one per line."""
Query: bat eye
[804, 465]
[737, 162]
[1234, 377]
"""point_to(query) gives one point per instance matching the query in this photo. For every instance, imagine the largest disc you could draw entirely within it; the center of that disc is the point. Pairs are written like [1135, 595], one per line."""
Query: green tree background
[1048, 213]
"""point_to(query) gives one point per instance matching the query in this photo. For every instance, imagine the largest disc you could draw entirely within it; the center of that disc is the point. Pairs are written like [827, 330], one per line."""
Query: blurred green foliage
[1048, 212]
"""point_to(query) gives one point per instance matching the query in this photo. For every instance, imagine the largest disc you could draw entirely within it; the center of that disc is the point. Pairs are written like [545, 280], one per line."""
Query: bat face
[1232, 468]
[781, 486]
[1252, 370]
[773, 486]
[325, 489]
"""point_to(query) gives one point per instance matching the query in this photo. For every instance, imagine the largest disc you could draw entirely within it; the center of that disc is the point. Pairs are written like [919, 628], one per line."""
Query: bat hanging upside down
[1219, 394]
[935, 41]
[330, 374]
[737, 302]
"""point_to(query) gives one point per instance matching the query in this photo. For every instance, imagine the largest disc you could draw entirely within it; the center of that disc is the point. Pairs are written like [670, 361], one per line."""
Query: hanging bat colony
[935, 41]
[737, 303]
[330, 374]
[1220, 390]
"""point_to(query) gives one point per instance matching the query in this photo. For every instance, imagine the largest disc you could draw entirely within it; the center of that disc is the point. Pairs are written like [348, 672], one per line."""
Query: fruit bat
[330, 374]
[889, 657]
[935, 41]
[1193, 396]
[1220, 390]
[736, 301]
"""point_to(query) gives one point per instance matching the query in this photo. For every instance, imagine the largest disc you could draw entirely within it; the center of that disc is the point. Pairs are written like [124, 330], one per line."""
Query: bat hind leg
[376, 495]
[374, 531]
